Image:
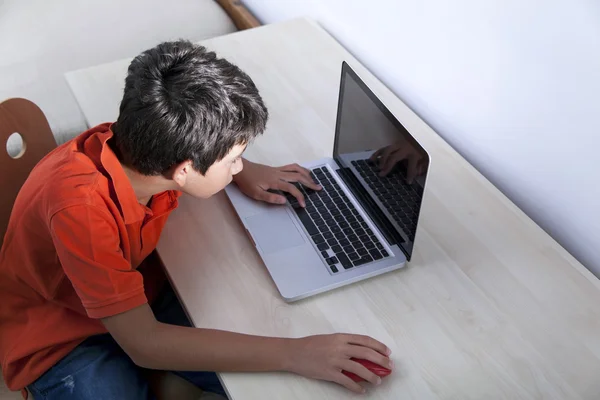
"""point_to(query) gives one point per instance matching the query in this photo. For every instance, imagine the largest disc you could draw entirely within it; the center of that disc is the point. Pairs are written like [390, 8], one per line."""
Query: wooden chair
[26, 119]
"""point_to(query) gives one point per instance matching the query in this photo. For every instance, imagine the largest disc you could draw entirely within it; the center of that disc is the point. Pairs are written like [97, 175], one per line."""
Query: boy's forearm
[178, 348]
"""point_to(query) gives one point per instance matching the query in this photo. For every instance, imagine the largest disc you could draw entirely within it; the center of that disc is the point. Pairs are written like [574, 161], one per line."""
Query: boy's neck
[146, 186]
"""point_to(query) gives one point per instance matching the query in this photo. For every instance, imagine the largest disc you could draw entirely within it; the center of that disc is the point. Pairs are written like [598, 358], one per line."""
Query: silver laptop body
[361, 225]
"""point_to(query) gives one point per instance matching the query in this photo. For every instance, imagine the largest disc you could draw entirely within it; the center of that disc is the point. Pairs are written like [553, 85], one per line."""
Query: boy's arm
[152, 344]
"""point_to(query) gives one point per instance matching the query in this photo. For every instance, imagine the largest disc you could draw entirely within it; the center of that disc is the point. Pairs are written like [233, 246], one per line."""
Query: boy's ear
[180, 172]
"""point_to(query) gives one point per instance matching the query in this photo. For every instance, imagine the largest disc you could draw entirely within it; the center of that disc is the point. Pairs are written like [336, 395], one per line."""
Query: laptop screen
[381, 162]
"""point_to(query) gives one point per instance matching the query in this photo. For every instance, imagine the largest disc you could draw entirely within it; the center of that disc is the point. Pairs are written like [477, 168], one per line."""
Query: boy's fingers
[306, 181]
[348, 383]
[362, 371]
[296, 168]
[365, 353]
[270, 197]
[367, 341]
[293, 190]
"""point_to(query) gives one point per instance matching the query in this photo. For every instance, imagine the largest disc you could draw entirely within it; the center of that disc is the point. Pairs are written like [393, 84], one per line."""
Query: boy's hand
[325, 356]
[256, 179]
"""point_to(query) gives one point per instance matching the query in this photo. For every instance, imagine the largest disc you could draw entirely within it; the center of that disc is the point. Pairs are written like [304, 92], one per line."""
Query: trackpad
[274, 231]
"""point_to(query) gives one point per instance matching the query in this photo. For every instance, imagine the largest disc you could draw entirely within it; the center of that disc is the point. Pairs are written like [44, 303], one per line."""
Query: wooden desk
[490, 308]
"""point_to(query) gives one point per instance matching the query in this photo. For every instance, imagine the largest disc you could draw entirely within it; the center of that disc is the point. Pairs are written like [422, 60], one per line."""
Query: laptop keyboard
[401, 199]
[340, 233]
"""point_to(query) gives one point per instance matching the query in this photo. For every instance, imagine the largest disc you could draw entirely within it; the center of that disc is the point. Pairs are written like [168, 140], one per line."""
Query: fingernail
[378, 380]
[388, 351]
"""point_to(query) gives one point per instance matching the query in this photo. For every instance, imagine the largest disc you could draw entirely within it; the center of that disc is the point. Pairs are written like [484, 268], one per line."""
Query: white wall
[513, 85]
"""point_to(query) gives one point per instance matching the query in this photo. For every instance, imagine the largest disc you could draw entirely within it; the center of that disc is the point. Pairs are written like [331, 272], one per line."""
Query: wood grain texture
[490, 307]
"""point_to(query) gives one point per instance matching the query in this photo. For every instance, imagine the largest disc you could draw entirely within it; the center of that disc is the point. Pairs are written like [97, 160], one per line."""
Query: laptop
[361, 224]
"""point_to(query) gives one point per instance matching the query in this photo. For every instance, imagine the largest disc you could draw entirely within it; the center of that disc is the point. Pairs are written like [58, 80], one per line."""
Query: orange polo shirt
[76, 237]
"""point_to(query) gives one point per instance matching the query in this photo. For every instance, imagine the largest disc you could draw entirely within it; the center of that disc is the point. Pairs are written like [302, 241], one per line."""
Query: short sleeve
[87, 242]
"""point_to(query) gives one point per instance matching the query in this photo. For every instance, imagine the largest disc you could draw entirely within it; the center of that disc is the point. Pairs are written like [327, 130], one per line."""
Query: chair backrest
[26, 119]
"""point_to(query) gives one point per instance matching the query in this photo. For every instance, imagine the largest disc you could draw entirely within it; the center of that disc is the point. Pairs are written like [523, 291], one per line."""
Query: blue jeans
[99, 369]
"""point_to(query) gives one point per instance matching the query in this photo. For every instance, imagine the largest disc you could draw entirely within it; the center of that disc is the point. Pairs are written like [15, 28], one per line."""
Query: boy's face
[216, 178]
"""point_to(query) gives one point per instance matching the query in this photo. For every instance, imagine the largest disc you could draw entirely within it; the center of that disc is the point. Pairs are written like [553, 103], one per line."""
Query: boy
[83, 310]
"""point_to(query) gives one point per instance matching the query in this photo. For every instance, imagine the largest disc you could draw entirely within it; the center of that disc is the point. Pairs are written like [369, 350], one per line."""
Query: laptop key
[332, 261]
[317, 239]
[370, 245]
[339, 235]
[352, 238]
[346, 263]
[322, 246]
[364, 238]
[312, 211]
[327, 235]
[344, 242]
[334, 228]
[353, 256]
[340, 218]
[325, 255]
[363, 260]
[375, 254]
[348, 249]
[311, 228]
[362, 252]
[379, 246]
[336, 249]
[357, 244]
[333, 268]
[384, 253]
[344, 224]
[360, 261]
[332, 242]
[348, 231]
[355, 225]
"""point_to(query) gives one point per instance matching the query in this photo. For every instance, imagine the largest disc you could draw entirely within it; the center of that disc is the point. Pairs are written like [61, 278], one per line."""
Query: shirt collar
[131, 208]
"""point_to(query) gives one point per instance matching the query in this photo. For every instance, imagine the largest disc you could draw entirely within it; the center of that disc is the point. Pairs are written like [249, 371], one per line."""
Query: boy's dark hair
[182, 103]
